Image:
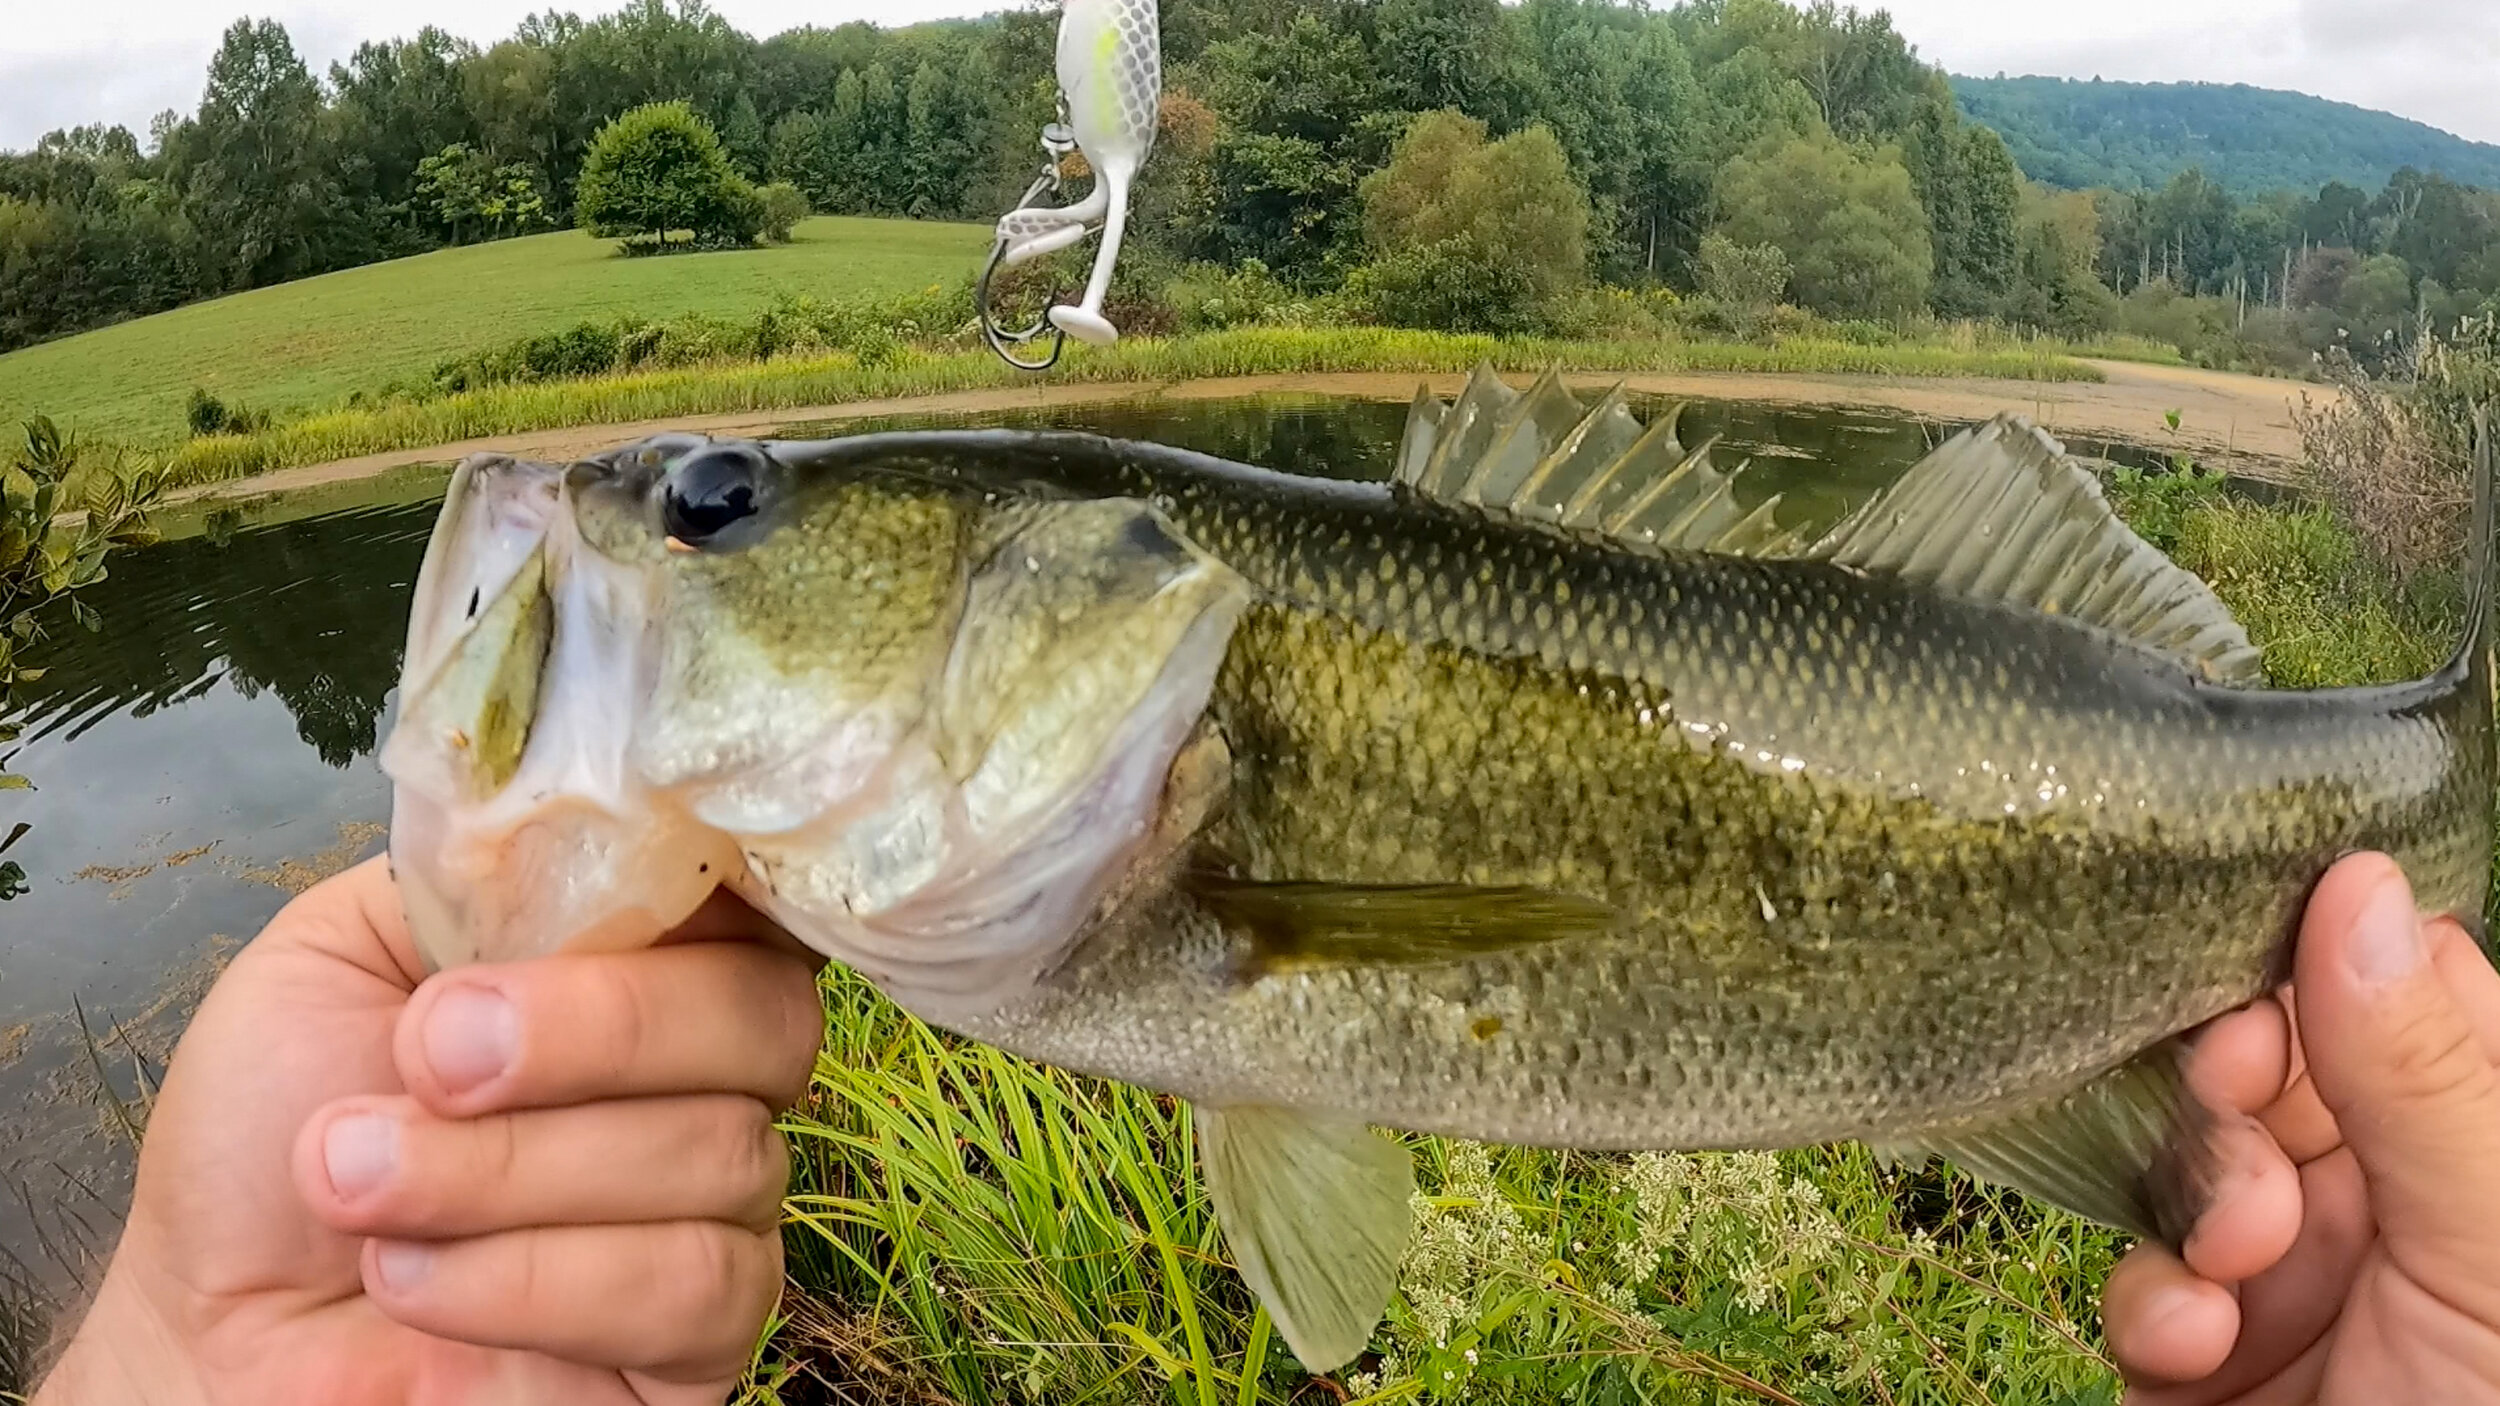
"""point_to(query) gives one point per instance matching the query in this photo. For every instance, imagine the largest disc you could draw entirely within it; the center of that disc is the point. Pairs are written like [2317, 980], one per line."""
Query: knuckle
[2439, 1064]
[799, 1034]
[750, 1162]
[711, 1261]
[621, 1024]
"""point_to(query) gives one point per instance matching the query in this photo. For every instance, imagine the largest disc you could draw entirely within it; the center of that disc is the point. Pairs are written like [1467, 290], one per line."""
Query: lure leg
[1086, 322]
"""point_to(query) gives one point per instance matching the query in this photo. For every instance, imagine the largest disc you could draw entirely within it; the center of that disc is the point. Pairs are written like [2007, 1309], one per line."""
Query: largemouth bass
[1550, 794]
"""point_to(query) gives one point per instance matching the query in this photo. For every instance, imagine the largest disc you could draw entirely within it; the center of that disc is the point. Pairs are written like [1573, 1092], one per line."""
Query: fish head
[925, 722]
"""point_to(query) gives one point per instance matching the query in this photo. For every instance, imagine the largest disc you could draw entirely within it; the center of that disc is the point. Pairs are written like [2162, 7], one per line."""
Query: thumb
[2397, 1060]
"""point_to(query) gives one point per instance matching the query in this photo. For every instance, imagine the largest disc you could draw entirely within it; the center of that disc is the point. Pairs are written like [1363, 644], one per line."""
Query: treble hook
[1031, 230]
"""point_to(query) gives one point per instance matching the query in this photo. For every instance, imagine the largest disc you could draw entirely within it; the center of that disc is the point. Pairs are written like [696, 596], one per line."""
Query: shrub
[1742, 275]
[1856, 237]
[1468, 234]
[209, 415]
[784, 206]
[1206, 298]
[42, 569]
[879, 332]
[1459, 285]
[2394, 456]
[660, 170]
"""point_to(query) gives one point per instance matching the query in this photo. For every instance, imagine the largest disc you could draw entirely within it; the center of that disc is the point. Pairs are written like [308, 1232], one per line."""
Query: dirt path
[2239, 423]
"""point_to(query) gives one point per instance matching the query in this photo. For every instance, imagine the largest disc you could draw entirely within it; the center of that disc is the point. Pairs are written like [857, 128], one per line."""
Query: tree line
[1719, 125]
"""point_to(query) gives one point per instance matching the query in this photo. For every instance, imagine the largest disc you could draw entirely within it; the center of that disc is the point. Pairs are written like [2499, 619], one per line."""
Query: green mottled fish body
[1552, 794]
[1818, 946]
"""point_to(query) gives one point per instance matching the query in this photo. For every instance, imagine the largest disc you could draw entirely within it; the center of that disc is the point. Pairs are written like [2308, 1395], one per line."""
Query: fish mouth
[496, 518]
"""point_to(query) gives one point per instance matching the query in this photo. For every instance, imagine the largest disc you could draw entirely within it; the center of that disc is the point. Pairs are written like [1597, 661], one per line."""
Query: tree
[1847, 219]
[1455, 211]
[1972, 192]
[659, 171]
[252, 162]
[396, 105]
[2058, 251]
[455, 185]
[1458, 54]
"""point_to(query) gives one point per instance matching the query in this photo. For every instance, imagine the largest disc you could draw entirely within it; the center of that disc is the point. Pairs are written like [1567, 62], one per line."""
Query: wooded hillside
[2252, 141]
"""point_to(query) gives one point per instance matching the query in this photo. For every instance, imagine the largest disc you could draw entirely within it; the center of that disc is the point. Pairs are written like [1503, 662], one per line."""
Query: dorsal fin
[1545, 457]
[1999, 513]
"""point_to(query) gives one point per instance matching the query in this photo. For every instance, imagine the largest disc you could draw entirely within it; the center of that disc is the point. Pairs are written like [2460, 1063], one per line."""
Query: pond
[211, 753]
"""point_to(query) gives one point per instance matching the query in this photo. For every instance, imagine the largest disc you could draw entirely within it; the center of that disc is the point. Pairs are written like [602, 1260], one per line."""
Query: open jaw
[949, 835]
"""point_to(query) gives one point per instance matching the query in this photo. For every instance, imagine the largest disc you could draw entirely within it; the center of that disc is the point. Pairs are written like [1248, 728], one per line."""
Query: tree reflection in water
[314, 612]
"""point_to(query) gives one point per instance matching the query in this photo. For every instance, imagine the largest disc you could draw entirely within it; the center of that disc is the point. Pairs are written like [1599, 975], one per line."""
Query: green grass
[308, 345]
[970, 1228]
[838, 378]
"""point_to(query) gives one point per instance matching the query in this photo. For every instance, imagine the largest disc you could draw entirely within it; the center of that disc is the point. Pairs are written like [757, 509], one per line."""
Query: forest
[1744, 150]
[2125, 136]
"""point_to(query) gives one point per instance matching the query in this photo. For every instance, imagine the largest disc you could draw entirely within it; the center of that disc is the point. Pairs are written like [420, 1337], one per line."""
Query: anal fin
[1316, 1211]
[2133, 1149]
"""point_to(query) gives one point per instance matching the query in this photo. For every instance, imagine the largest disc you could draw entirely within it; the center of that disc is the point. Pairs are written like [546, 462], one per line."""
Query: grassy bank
[969, 1228]
[839, 378]
[305, 345]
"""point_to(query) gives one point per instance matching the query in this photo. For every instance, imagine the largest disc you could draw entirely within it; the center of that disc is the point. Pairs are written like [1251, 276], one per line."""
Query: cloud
[124, 61]
[2430, 60]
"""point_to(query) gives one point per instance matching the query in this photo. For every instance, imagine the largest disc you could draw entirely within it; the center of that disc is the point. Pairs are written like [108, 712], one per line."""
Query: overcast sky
[2438, 61]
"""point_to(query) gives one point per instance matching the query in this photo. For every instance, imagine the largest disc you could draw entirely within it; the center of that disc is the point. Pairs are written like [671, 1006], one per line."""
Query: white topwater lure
[1111, 99]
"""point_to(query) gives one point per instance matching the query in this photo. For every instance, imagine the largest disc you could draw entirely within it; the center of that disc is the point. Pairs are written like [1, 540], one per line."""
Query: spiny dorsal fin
[2001, 513]
[1544, 457]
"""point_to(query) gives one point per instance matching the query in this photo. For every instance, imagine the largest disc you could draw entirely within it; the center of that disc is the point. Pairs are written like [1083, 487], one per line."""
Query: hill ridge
[2082, 132]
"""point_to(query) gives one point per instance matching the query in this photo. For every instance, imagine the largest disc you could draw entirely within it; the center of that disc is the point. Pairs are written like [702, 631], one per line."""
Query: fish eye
[711, 491]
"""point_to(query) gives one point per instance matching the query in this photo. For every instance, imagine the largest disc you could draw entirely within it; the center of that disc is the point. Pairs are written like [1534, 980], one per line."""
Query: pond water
[211, 753]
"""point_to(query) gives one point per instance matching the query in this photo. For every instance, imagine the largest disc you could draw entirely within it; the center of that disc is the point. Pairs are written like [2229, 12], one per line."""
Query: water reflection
[304, 612]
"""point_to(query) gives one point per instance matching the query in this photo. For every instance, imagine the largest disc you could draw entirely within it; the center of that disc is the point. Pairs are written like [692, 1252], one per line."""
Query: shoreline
[2239, 424]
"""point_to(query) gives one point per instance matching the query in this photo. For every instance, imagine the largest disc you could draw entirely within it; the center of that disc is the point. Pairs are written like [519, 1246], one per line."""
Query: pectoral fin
[1315, 1210]
[2133, 1149]
[1311, 925]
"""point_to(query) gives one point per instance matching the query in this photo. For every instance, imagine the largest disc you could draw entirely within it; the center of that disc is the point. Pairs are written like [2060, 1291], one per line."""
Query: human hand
[2374, 1279]
[554, 1181]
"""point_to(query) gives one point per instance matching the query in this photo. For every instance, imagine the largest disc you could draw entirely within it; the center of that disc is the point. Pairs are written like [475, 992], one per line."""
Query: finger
[2239, 1063]
[2254, 1213]
[2165, 1322]
[2399, 1061]
[2286, 1313]
[2467, 973]
[684, 1301]
[387, 1168]
[355, 917]
[711, 1018]
[725, 917]
[2235, 1067]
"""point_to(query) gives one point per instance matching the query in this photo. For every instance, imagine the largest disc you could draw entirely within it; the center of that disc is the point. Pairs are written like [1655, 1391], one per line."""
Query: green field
[301, 346]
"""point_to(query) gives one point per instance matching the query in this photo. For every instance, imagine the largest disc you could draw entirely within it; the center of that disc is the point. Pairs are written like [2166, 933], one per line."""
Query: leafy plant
[207, 414]
[784, 206]
[1747, 276]
[43, 565]
[2392, 454]
[659, 171]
